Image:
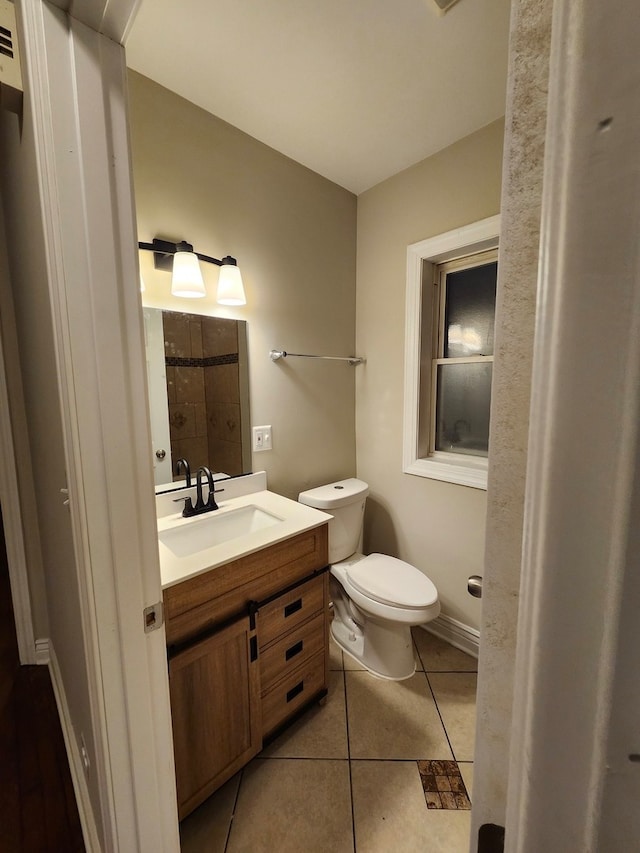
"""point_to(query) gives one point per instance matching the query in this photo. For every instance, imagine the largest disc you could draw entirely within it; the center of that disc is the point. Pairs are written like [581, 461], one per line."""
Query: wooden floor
[38, 812]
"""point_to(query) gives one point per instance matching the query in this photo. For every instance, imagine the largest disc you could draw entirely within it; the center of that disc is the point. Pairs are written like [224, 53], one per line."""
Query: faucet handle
[188, 507]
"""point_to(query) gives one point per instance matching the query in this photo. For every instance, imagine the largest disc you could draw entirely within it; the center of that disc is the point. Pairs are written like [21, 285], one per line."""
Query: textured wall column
[515, 316]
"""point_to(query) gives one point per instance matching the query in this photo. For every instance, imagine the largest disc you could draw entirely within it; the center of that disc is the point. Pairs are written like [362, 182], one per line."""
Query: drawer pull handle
[295, 690]
[294, 650]
[292, 608]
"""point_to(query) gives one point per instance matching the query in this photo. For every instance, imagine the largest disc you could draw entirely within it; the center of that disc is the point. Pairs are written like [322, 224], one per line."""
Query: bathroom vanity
[247, 632]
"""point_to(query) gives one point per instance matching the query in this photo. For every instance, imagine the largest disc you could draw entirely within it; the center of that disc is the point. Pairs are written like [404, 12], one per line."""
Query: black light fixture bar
[164, 250]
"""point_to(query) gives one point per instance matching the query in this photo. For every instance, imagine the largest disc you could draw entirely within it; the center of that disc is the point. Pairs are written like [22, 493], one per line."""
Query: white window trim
[449, 467]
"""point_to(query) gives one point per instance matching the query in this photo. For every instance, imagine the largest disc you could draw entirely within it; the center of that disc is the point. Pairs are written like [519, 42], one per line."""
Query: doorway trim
[12, 523]
[78, 104]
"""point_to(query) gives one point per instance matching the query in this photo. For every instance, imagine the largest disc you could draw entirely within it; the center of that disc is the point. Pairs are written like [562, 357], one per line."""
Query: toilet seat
[393, 582]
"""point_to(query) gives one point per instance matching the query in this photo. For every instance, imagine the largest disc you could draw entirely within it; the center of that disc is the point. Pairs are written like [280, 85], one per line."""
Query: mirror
[197, 371]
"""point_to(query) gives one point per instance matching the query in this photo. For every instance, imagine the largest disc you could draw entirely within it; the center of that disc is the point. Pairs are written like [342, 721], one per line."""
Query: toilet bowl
[376, 598]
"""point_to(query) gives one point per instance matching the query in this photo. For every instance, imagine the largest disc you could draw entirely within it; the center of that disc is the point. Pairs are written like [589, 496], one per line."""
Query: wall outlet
[262, 438]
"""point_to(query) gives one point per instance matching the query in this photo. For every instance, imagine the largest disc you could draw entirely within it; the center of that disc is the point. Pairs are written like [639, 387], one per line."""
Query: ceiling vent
[10, 73]
[444, 5]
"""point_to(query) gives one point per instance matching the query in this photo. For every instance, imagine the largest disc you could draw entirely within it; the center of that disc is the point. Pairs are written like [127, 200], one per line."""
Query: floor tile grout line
[435, 701]
[435, 671]
[411, 760]
[446, 733]
[429, 757]
[452, 671]
[346, 714]
[300, 758]
[233, 810]
[417, 652]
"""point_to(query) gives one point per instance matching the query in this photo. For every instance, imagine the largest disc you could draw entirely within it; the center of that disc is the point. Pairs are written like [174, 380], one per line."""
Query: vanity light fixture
[186, 280]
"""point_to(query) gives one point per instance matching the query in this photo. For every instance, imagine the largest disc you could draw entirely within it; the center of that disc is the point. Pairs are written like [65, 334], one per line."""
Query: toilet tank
[345, 501]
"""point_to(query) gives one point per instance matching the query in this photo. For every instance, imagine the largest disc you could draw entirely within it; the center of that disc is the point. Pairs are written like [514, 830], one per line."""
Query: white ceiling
[356, 90]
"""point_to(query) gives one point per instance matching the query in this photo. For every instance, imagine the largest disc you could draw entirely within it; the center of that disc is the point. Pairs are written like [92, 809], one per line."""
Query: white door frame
[78, 98]
[158, 401]
[12, 520]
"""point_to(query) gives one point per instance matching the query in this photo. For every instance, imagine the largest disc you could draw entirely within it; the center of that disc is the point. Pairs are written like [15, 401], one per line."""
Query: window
[451, 285]
[463, 357]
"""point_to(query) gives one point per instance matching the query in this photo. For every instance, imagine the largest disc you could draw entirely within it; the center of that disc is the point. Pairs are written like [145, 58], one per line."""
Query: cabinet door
[215, 708]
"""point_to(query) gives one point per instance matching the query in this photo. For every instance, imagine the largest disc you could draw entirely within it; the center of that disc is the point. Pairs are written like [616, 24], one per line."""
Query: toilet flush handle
[474, 586]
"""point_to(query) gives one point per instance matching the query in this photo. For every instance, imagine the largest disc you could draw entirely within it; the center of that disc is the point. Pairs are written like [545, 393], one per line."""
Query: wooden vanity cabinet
[248, 648]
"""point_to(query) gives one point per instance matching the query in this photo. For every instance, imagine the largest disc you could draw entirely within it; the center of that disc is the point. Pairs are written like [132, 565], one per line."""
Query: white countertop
[293, 518]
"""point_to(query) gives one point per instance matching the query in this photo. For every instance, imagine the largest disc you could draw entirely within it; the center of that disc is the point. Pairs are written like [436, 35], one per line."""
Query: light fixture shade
[187, 276]
[230, 287]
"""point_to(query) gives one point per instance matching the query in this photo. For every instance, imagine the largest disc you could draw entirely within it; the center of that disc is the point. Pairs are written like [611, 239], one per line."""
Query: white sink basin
[213, 529]
[243, 524]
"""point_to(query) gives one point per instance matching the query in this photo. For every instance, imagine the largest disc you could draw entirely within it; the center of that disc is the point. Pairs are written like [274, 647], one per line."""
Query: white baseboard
[85, 809]
[456, 633]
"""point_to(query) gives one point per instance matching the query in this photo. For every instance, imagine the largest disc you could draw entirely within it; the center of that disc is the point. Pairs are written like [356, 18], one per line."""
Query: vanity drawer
[292, 692]
[213, 597]
[290, 610]
[291, 651]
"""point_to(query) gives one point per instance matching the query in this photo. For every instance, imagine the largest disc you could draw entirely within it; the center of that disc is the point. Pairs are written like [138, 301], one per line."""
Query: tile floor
[346, 776]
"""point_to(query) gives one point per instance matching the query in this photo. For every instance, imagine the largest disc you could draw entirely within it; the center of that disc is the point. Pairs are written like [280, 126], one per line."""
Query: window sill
[451, 468]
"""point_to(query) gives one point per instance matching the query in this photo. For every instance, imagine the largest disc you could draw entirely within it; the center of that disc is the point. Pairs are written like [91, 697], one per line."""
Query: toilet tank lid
[335, 495]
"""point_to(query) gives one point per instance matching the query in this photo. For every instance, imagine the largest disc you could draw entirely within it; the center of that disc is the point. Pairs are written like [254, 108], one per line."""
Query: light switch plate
[262, 438]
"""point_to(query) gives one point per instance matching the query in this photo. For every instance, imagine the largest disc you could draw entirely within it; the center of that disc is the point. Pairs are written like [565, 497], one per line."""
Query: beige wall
[294, 236]
[437, 526]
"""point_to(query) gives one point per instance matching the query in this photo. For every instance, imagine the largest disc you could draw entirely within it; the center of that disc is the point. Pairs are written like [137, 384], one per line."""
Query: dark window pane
[462, 408]
[470, 311]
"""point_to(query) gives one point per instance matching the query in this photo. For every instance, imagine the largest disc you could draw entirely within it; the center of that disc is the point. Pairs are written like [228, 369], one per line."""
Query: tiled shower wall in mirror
[201, 355]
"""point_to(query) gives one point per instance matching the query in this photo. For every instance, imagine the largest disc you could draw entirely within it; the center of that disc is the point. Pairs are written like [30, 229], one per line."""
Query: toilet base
[384, 649]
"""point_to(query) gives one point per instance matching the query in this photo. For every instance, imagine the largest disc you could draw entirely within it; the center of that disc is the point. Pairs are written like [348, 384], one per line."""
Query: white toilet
[376, 599]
